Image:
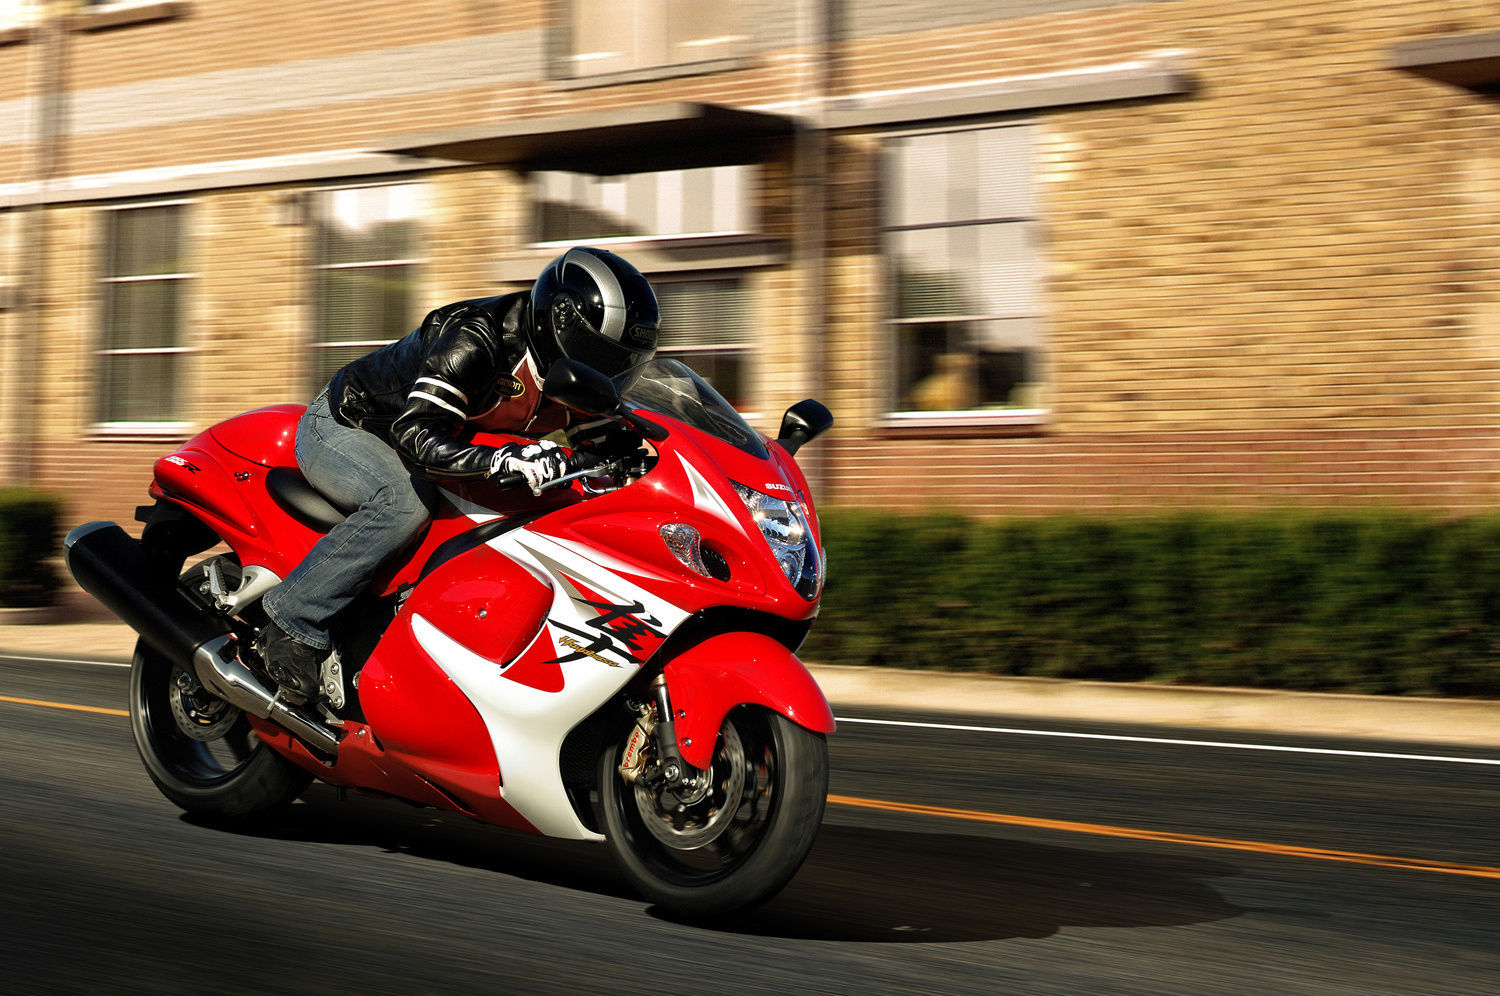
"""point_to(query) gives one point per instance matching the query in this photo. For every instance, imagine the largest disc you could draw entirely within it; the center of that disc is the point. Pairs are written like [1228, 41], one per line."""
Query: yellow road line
[64, 705]
[1229, 844]
[1098, 829]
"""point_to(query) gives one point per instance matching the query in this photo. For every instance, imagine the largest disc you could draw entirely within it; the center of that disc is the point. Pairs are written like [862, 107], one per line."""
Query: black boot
[292, 664]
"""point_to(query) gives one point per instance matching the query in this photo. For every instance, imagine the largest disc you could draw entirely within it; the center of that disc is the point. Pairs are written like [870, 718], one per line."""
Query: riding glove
[538, 462]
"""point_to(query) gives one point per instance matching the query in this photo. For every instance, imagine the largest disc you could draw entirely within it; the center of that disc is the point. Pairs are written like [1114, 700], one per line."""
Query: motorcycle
[610, 657]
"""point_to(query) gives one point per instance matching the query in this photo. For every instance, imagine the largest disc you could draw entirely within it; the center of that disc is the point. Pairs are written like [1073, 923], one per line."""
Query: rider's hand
[539, 462]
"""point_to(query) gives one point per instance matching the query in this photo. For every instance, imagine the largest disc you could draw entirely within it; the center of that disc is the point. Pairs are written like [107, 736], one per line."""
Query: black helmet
[591, 306]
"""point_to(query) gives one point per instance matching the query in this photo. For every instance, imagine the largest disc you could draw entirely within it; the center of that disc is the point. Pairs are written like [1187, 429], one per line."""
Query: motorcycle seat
[301, 500]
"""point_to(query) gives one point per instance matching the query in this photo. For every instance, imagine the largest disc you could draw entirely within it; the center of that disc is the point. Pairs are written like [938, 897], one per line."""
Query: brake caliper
[633, 761]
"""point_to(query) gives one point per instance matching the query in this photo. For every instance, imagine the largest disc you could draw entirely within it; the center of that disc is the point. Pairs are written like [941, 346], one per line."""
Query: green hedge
[1370, 602]
[29, 544]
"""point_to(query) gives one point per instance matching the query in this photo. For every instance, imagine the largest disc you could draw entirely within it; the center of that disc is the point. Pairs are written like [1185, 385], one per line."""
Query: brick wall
[1305, 240]
[1142, 472]
[1280, 287]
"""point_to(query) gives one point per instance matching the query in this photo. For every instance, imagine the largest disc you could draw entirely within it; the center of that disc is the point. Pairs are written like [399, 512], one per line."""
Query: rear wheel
[199, 750]
[733, 837]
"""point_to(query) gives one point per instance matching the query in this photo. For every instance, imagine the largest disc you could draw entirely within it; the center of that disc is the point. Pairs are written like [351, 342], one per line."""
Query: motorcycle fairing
[182, 476]
[266, 436]
[365, 764]
[682, 490]
[616, 594]
[221, 475]
[508, 642]
[586, 649]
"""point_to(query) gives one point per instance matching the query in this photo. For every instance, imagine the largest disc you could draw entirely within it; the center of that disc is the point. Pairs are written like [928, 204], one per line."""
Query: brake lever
[516, 479]
[566, 478]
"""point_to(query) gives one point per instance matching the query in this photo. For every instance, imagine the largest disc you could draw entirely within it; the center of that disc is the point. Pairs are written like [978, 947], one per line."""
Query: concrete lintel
[119, 15]
[1133, 81]
[213, 176]
[1470, 60]
[656, 256]
[617, 140]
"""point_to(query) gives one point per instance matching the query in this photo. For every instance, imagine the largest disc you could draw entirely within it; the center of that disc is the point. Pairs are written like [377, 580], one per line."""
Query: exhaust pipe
[110, 565]
[218, 666]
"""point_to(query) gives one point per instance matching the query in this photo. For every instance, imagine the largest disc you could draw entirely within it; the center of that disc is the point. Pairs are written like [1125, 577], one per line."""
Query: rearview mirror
[581, 388]
[802, 423]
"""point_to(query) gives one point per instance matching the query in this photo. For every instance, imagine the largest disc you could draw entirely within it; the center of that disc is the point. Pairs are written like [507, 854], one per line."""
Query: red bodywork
[730, 670]
[423, 737]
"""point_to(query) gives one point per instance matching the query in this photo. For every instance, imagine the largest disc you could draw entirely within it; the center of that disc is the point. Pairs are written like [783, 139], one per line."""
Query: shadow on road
[359, 821]
[860, 884]
[877, 885]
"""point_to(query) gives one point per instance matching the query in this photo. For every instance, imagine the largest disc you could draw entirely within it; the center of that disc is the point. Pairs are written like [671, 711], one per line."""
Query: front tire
[739, 838]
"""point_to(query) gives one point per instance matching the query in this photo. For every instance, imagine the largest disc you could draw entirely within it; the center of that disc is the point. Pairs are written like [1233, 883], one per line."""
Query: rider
[393, 420]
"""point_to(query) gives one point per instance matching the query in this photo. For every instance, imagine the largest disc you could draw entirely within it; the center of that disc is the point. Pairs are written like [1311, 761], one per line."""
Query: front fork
[655, 722]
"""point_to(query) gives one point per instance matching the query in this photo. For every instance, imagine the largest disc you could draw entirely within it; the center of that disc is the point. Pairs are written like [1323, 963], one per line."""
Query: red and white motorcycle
[612, 658]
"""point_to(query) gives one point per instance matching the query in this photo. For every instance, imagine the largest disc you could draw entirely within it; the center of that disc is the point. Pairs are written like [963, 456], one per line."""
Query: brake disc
[200, 715]
[690, 816]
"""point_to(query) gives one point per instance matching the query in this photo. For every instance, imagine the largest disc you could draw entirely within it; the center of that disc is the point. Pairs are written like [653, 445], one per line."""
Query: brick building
[1035, 254]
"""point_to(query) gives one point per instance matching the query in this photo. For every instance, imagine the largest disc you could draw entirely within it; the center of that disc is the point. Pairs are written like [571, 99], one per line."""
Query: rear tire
[738, 845]
[200, 751]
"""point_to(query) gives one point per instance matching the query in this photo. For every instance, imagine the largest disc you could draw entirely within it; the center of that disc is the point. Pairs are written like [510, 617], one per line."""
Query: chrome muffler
[110, 565]
[217, 664]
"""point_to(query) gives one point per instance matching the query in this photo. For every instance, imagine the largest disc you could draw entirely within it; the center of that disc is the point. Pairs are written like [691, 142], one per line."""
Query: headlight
[787, 532]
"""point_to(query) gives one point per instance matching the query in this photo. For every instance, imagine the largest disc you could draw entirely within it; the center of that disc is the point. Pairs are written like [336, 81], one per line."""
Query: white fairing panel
[598, 623]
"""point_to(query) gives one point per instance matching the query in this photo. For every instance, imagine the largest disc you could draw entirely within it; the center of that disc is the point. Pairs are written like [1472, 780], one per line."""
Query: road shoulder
[1437, 721]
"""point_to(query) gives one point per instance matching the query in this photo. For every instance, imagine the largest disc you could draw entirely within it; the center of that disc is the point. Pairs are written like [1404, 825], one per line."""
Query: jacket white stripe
[445, 386]
[439, 402]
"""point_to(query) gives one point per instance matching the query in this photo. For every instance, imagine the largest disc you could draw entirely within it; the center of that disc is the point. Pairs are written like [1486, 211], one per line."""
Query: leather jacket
[468, 366]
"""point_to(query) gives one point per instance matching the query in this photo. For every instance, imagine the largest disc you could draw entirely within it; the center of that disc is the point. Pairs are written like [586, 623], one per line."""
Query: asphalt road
[1044, 864]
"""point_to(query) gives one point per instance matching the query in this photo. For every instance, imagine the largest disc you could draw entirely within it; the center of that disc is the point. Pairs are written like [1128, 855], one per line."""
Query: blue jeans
[355, 470]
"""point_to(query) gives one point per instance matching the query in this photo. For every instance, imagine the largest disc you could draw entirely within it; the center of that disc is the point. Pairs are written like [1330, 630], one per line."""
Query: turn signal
[686, 544]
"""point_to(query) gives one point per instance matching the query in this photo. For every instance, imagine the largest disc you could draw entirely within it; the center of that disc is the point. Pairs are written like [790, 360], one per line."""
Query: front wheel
[733, 837]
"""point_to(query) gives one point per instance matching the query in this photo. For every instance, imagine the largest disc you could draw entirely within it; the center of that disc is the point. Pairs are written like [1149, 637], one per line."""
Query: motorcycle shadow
[322, 817]
[859, 884]
[863, 884]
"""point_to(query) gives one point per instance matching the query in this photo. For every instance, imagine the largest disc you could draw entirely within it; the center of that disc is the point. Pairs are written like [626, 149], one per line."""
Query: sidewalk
[79, 632]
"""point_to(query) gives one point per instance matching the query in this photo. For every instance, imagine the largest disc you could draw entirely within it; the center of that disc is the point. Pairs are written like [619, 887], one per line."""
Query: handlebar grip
[577, 462]
[583, 460]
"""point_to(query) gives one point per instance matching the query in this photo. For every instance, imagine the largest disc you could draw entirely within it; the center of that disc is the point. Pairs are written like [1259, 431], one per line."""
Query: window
[579, 206]
[365, 266]
[99, 14]
[704, 324]
[962, 242]
[10, 255]
[704, 321]
[616, 36]
[19, 13]
[12, 263]
[19, 17]
[143, 288]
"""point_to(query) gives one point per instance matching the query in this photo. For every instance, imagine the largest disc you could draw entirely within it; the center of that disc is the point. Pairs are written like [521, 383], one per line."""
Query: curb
[1472, 722]
[992, 698]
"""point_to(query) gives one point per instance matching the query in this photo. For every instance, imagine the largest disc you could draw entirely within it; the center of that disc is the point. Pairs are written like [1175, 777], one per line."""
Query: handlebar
[580, 464]
[584, 460]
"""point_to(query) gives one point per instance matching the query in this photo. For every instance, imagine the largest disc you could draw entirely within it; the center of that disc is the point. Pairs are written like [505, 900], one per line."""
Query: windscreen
[669, 387]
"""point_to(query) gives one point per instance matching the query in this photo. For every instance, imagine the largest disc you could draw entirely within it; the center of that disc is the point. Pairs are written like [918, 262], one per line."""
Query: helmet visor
[636, 345]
